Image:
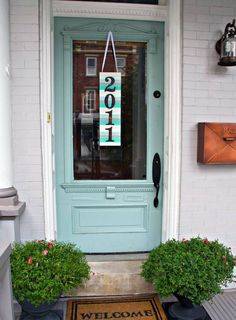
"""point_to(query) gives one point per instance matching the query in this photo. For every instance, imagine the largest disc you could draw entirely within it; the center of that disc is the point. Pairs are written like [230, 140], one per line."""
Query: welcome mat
[146, 307]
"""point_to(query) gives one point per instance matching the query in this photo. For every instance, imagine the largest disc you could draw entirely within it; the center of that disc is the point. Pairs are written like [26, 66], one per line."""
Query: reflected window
[91, 66]
[121, 62]
[90, 100]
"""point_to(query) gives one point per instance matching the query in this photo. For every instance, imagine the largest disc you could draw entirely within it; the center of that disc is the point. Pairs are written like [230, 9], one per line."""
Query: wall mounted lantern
[226, 46]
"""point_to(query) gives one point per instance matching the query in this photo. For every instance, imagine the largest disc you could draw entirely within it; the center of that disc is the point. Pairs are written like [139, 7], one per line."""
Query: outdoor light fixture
[226, 46]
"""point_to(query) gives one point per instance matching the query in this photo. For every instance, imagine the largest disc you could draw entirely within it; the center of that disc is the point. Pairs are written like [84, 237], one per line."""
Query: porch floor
[223, 306]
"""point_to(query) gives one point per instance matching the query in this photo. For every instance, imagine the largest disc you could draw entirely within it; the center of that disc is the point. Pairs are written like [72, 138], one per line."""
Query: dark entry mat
[166, 306]
[146, 307]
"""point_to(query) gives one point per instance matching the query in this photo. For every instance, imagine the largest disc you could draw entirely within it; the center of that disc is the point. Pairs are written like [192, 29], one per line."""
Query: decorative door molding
[171, 15]
[109, 10]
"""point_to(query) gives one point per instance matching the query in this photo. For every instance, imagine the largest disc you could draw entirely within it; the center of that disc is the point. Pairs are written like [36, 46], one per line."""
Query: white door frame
[171, 15]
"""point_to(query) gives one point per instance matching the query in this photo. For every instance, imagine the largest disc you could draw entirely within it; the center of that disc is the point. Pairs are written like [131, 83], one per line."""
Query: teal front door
[105, 194]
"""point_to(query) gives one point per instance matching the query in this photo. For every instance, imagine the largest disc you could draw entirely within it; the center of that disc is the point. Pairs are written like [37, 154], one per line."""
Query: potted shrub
[42, 270]
[193, 270]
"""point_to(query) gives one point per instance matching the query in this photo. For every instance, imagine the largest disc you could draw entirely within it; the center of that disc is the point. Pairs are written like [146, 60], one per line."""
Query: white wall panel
[24, 17]
[208, 192]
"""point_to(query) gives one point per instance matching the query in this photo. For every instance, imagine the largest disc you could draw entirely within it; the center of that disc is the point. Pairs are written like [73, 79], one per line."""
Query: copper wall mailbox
[216, 143]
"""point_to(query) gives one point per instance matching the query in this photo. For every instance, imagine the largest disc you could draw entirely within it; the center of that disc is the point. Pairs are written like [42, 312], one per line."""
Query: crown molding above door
[109, 10]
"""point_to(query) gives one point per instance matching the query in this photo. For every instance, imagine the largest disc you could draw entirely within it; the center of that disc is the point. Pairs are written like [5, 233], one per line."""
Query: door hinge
[49, 117]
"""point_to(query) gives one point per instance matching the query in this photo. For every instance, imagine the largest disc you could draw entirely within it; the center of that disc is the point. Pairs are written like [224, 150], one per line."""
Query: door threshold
[129, 256]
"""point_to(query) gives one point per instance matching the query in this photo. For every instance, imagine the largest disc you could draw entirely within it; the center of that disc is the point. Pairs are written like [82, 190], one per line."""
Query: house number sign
[110, 102]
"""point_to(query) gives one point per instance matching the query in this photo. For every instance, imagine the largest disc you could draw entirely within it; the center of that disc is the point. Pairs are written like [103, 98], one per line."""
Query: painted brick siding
[24, 24]
[208, 193]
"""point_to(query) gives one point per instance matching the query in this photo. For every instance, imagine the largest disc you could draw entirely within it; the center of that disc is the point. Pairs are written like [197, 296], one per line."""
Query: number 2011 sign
[110, 108]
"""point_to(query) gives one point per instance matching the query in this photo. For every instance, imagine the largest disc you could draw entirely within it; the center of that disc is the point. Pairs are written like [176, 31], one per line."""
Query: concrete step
[114, 275]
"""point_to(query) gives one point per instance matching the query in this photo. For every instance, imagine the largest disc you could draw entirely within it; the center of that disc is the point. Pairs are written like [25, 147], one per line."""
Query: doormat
[146, 307]
[166, 306]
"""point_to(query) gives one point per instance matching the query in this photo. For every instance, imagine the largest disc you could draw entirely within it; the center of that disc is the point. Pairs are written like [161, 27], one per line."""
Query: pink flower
[224, 257]
[30, 260]
[206, 241]
[45, 252]
[50, 244]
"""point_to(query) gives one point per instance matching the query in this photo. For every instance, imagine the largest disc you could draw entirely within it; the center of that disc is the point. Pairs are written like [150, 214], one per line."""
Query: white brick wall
[24, 18]
[208, 193]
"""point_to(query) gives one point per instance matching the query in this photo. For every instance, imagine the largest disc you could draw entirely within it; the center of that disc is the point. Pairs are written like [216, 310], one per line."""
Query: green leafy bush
[42, 270]
[195, 268]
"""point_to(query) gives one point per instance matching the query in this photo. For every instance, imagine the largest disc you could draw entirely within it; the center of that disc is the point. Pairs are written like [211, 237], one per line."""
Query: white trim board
[46, 91]
[171, 14]
[172, 122]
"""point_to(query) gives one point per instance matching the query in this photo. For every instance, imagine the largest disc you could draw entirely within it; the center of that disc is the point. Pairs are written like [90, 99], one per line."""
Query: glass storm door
[104, 194]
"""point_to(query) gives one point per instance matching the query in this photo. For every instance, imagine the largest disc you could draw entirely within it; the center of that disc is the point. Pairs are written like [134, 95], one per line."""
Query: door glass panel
[108, 163]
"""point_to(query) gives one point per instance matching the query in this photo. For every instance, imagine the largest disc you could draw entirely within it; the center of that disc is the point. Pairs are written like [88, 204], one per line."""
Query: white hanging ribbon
[110, 38]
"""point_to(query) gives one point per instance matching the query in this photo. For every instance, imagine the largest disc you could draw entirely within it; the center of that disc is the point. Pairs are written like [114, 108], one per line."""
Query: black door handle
[156, 175]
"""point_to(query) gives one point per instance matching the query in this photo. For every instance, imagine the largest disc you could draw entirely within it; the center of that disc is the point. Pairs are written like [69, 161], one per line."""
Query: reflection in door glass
[90, 160]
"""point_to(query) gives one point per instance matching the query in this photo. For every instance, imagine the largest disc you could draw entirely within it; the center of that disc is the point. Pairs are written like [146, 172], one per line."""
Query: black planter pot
[41, 312]
[184, 309]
